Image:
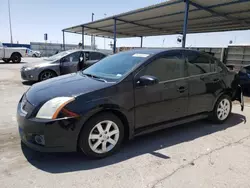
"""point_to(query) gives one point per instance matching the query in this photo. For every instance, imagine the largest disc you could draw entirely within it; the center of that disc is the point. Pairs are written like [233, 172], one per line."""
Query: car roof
[154, 51]
[85, 50]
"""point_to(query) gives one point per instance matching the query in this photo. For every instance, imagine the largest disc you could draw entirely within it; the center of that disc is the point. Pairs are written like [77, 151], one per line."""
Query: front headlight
[29, 68]
[53, 107]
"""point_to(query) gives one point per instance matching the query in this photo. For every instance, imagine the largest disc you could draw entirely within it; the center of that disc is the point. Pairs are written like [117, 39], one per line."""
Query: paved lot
[198, 154]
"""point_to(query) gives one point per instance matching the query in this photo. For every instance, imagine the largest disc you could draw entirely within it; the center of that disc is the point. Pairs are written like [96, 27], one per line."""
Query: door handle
[182, 89]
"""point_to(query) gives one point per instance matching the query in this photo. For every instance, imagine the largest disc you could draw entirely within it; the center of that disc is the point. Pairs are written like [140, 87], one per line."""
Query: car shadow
[28, 83]
[147, 144]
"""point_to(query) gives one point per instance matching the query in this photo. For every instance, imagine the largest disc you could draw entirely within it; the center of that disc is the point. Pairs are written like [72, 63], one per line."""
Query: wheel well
[121, 116]
[226, 92]
[117, 113]
[16, 53]
[124, 120]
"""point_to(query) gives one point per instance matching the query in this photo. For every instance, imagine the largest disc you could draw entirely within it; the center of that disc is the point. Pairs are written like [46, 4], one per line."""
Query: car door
[204, 81]
[69, 63]
[166, 100]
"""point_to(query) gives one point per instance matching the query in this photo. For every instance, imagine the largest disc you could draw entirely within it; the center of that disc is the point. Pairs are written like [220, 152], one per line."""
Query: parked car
[33, 53]
[15, 55]
[62, 63]
[125, 95]
[244, 74]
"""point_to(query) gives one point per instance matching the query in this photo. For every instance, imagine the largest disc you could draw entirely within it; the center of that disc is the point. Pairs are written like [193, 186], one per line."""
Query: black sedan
[125, 95]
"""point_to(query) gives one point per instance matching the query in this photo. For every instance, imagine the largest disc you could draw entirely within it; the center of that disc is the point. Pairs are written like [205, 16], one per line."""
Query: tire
[34, 55]
[16, 58]
[47, 74]
[101, 139]
[222, 109]
[6, 60]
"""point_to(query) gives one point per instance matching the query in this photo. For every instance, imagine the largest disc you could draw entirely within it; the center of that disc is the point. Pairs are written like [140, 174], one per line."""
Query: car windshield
[114, 67]
[57, 56]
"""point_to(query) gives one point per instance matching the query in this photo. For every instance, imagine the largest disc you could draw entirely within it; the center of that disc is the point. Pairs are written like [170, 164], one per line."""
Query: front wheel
[101, 135]
[222, 109]
[47, 74]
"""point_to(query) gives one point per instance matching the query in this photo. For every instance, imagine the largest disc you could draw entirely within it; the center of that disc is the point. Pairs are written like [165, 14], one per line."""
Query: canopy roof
[167, 18]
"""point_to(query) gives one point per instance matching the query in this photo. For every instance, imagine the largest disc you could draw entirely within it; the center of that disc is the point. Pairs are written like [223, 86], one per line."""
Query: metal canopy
[169, 18]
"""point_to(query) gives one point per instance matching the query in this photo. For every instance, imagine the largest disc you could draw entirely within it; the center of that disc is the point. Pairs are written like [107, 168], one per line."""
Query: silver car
[62, 63]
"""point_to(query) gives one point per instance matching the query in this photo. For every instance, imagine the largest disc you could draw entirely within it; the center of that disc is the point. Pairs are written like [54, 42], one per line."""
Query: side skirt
[164, 125]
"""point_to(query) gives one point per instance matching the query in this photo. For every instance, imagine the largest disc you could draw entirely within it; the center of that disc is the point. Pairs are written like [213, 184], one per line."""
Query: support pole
[114, 46]
[63, 41]
[185, 25]
[82, 37]
[141, 41]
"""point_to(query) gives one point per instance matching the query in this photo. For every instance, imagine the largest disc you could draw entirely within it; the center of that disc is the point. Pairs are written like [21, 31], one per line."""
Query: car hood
[70, 85]
[39, 63]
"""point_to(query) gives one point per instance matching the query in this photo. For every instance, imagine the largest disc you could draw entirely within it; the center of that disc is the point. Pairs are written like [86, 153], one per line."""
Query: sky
[32, 18]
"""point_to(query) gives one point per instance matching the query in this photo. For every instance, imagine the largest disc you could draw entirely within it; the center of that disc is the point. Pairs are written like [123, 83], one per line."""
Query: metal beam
[141, 25]
[82, 37]
[219, 14]
[63, 41]
[185, 25]
[182, 12]
[141, 41]
[102, 30]
[114, 46]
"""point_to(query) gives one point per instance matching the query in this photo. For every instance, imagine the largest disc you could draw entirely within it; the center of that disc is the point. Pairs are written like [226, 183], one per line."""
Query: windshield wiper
[95, 77]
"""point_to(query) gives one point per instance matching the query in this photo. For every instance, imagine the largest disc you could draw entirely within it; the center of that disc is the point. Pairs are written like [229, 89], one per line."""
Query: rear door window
[198, 63]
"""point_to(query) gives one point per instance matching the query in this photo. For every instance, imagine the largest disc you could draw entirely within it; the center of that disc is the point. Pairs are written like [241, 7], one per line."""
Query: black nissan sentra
[125, 95]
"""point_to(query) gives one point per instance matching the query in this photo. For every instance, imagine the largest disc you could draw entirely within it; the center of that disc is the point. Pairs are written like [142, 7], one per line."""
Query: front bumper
[30, 75]
[59, 135]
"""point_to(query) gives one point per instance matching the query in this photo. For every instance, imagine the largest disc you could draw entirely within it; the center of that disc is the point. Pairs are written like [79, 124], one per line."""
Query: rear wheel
[101, 135]
[16, 58]
[222, 109]
[47, 74]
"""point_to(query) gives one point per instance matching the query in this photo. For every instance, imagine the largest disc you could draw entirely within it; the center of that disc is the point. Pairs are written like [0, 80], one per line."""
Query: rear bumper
[239, 96]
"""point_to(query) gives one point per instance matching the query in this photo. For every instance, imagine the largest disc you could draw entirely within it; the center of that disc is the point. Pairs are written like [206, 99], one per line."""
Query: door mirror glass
[147, 80]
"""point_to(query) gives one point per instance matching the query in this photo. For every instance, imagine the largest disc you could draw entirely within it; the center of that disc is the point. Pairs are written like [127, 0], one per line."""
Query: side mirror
[147, 80]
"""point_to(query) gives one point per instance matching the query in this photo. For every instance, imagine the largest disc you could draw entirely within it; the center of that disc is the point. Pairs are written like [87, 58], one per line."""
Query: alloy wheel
[103, 137]
[46, 75]
[223, 109]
